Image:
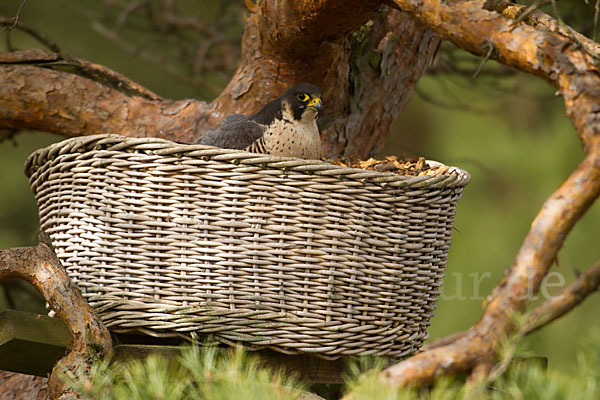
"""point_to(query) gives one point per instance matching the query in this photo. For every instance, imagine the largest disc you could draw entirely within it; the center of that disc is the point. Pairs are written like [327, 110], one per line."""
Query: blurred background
[507, 129]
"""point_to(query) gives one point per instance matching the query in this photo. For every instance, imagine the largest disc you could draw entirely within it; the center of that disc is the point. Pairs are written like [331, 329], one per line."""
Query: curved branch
[91, 340]
[546, 236]
[36, 94]
[540, 21]
[86, 69]
[40, 37]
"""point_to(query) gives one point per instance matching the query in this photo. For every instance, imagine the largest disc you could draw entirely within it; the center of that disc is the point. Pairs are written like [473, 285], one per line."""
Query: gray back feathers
[286, 126]
[238, 131]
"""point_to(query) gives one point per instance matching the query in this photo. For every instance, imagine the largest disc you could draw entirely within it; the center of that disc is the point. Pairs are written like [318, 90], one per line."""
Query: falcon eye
[303, 97]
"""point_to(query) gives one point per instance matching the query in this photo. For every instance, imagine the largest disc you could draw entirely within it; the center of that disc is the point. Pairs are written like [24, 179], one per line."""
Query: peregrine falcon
[287, 126]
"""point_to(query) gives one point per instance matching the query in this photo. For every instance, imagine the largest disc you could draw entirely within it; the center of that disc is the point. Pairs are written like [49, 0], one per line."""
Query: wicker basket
[300, 256]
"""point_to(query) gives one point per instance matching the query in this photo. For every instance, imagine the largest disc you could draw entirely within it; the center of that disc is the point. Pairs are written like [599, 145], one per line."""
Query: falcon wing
[237, 131]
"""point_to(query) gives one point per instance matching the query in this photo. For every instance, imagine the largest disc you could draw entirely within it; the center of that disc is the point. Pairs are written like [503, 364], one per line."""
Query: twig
[485, 59]
[15, 18]
[442, 66]
[149, 57]
[596, 11]
[180, 32]
[535, 6]
[40, 37]
[586, 284]
[127, 11]
[555, 10]
[454, 103]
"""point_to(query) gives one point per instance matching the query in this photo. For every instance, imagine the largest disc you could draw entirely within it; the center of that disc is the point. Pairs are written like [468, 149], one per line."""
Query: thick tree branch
[547, 54]
[40, 267]
[36, 94]
[540, 21]
[95, 72]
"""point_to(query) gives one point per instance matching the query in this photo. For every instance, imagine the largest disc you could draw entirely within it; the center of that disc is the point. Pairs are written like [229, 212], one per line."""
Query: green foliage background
[511, 134]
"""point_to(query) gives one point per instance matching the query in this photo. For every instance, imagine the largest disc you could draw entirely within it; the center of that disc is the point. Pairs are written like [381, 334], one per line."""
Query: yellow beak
[316, 104]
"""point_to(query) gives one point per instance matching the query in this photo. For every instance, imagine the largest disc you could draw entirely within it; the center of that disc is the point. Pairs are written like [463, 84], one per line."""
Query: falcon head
[302, 102]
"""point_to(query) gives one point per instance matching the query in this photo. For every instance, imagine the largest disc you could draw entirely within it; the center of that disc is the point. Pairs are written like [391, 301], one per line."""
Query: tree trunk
[366, 77]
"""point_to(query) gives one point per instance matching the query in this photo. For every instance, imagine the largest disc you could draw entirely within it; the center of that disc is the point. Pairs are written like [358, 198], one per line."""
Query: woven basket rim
[451, 177]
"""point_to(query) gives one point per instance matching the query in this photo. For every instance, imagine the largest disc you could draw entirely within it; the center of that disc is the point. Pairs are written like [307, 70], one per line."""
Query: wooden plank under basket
[299, 256]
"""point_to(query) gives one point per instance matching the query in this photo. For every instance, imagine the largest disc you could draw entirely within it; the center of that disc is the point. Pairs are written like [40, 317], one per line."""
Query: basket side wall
[291, 261]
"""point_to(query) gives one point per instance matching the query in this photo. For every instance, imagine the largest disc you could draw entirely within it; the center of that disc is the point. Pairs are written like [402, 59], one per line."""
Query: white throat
[294, 138]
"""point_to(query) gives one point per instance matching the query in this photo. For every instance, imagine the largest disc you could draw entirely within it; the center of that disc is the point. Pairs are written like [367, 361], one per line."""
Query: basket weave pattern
[296, 255]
